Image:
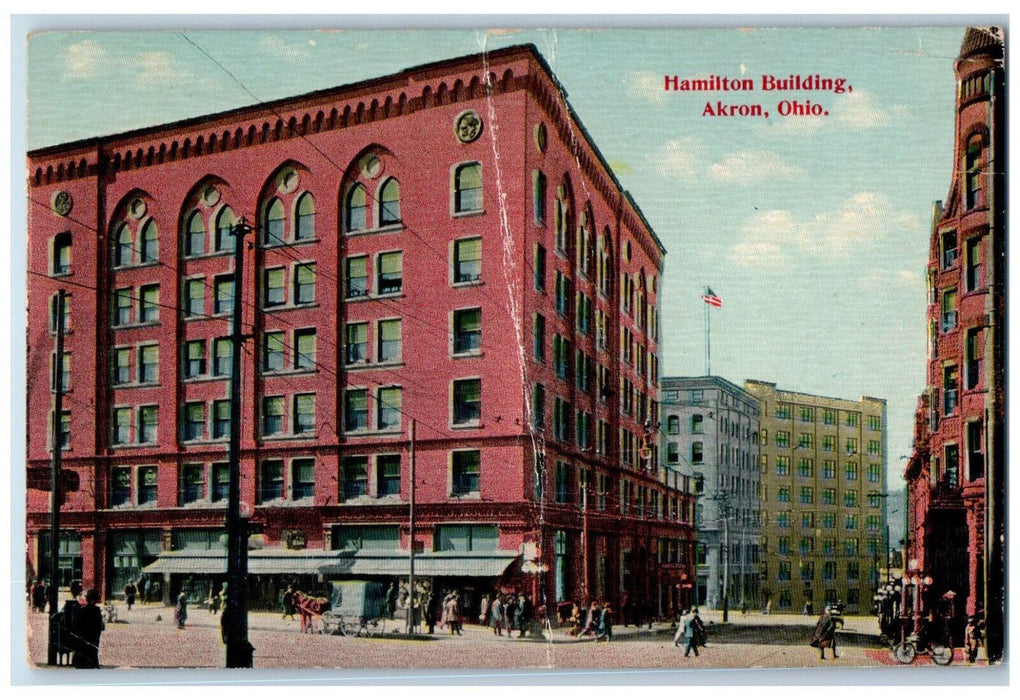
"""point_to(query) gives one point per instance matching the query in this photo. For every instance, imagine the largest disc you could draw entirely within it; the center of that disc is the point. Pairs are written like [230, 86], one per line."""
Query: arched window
[305, 225]
[62, 253]
[274, 226]
[194, 241]
[973, 172]
[357, 209]
[389, 203]
[122, 247]
[148, 250]
[224, 230]
[468, 188]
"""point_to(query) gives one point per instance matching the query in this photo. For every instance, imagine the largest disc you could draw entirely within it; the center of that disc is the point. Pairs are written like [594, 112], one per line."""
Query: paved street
[147, 638]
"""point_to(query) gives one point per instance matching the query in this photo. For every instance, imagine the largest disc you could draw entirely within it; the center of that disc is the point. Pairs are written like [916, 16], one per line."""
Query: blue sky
[814, 231]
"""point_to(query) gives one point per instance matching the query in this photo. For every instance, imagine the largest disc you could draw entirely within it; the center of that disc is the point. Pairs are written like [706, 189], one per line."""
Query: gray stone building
[710, 431]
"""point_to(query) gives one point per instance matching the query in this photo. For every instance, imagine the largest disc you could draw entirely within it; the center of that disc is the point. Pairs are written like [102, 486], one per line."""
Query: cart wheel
[905, 652]
[350, 628]
[942, 655]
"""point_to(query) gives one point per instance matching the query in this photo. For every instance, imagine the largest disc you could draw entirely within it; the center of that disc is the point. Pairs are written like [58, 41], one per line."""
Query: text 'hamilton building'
[956, 474]
[444, 245]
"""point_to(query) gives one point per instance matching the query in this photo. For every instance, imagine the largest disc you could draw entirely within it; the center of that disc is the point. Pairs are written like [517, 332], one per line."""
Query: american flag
[709, 297]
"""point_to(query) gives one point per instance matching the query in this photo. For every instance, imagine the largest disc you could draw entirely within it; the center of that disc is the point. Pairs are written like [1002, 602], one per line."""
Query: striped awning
[342, 563]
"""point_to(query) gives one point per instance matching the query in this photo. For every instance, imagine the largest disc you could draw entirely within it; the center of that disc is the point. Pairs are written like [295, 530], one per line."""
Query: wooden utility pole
[56, 492]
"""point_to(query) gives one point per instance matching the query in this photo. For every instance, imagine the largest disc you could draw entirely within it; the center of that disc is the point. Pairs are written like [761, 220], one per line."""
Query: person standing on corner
[90, 628]
[129, 594]
[181, 610]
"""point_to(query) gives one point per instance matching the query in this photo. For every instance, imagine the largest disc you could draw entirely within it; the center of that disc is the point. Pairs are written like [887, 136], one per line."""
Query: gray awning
[279, 561]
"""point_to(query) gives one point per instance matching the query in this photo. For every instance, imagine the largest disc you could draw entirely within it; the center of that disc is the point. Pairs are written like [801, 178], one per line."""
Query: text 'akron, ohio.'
[785, 108]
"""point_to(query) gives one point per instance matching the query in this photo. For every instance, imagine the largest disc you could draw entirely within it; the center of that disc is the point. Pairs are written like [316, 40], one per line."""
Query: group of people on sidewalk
[507, 612]
[597, 621]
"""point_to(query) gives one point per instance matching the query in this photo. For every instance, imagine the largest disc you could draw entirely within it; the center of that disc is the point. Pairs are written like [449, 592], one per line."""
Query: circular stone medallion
[467, 126]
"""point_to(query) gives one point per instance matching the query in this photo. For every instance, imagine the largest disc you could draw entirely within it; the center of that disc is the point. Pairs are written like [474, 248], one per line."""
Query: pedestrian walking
[181, 610]
[496, 615]
[288, 602]
[691, 635]
[39, 596]
[825, 634]
[510, 613]
[89, 629]
[483, 611]
[454, 619]
[146, 591]
[604, 631]
[519, 616]
[129, 594]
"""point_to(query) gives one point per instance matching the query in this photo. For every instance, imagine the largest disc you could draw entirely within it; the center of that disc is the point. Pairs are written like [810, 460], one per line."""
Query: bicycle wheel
[942, 655]
[905, 652]
[350, 628]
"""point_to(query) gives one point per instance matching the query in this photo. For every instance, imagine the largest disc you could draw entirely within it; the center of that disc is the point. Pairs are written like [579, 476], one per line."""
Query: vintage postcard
[494, 349]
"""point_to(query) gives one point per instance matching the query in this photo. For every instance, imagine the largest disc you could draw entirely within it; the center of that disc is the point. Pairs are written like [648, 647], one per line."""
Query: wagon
[355, 609]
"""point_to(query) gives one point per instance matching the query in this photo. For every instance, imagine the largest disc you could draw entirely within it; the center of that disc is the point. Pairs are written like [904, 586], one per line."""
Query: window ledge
[202, 442]
[203, 256]
[468, 283]
[471, 425]
[286, 243]
[288, 436]
[473, 496]
[466, 355]
[286, 503]
[276, 308]
[388, 228]
[146, 324]
[282, 372]
[133, 266]
[389, 432]
[202, 379]
[471, 212]
[373, 297]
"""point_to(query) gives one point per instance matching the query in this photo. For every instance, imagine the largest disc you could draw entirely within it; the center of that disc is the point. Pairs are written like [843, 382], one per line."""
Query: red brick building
[444, 245]
[956, 474]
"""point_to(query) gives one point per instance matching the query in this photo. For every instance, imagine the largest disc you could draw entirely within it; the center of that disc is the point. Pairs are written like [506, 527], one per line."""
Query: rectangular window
[783, 494]
[221, 419]
[874, 423]
[304, 348]
[148, 417]
[973, 264]
[782, 438]
[539, 268]
[850, 499]
[950, 384]
[850, 547]
[828, 497]
[355, 477]
[467, 260]
[974, 353]
[388, 408]
[853, 570]
[304, 283]
[273, 290]
[467, 331]
[782, 410]
[122, 307]
[697, 452]
[975, 454]
[539, 338]
[194, 359]
[194, 298]
[122, 426]
[952, 473]
[121, 366]
[466, 474]
[391, 272]
[222, 350]
[220, 481]
[356, 410]
[272, 351]
[148, 364]
[807, 495]
[356, 278]
[63, 375]
[949, 315]
[850, 469]
[829, 416]
[304, 413]
[807, 414]
[148, 303]
[302, 480]
[538, 195]
[828, 520]
[120, 486]
[783, 518]
[193, 425]
[356, 349]
[828, 443]
[806, 467]
[851, 446]
[147, 485]
[389, 340]
[948, 249]
[192, 483]
[784, 545]
[272, 415]
[467, 401]
[850, 522]
[387, 469]
[782, 465]
[538, 406]
[874, 473]
[270, 480]
[223, 301]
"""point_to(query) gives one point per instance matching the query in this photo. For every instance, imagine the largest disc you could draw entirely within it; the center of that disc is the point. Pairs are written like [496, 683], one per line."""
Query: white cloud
[679, 158]
[884, 279]
[646, 85]
[778, 236]
[159, 69]
[84, 59]
[752, 166]
[859, 110]
[279, 48]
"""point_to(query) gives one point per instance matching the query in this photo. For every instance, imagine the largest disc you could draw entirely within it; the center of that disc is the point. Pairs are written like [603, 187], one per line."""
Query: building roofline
[787, 392]
[708, 379]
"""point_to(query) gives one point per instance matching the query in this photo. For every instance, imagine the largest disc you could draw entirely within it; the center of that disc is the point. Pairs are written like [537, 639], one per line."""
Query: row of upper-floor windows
[828, 496]
[807, 546]
[809, 520]
[829, 416]
[806, 468]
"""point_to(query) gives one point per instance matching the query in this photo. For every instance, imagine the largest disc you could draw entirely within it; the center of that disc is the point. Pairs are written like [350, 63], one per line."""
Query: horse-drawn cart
[355, 609]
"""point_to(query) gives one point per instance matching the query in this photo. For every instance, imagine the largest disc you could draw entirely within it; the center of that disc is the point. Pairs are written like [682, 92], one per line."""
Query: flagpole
[708, 339]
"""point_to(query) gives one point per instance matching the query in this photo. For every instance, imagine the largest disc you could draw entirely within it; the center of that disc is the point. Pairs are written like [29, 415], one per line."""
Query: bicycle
[907, 650]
